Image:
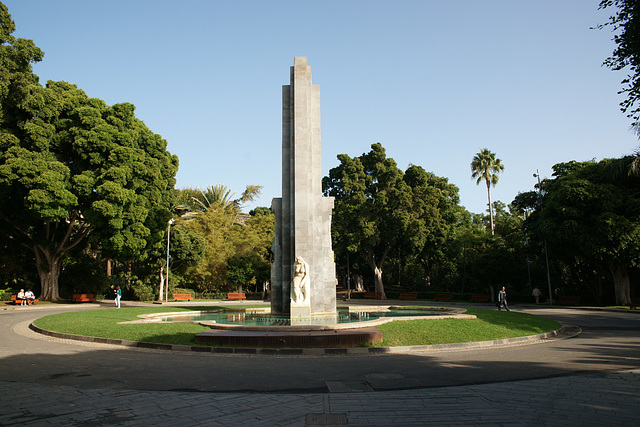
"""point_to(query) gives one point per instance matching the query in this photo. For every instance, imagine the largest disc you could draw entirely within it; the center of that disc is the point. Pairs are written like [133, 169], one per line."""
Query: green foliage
[5, 294]
[237, 252]
[626, 54]
[73, 167]
[384, 214]
[592, 224]
[83, 274]
[187, 248]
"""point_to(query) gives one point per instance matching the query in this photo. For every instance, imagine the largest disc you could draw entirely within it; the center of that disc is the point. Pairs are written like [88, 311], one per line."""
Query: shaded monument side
[303, 216]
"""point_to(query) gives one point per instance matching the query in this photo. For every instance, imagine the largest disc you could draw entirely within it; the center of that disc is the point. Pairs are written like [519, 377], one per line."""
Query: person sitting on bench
[30, 297]
[21, 297]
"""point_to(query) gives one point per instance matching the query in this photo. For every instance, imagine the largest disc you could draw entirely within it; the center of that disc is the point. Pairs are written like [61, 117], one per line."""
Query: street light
[171, 221]
[546, 253]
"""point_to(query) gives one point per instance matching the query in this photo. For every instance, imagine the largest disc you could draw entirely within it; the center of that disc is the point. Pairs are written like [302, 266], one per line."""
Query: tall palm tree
[485, 166]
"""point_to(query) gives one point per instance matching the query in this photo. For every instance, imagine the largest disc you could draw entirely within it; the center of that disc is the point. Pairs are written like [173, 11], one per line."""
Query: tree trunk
[370, 257]
[490, 207]
[621, 284]
[377, 278]
[49, 267]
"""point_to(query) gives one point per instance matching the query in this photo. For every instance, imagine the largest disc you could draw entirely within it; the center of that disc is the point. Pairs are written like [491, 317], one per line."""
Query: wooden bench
[182, 297]
[18, 301]
[635, 302]
[83, 298]
[444, 297]
[569, 300]
[480, 298]
[236, 295]
[373, 295]
[409, 295]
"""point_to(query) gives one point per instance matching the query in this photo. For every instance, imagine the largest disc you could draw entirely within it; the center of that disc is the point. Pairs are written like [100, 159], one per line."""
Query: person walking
[118, 293]
[537, 294]
[502, 299]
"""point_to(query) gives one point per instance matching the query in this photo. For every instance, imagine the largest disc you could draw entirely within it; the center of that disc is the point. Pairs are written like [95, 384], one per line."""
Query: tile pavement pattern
[581, 400]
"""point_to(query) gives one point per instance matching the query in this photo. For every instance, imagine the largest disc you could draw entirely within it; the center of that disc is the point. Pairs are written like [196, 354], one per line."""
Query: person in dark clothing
[502, 299]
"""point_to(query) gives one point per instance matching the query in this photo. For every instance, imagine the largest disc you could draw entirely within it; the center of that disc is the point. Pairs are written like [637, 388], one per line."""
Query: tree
[435, 213]
[593, 220]
[626, 25]
[372, 200]
[485, 166]
[16, 71]
[382, 212]
[227, 239]
[72, 167]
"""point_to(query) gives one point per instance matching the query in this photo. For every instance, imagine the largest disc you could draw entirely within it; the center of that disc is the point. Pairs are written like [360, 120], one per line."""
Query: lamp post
[171, 221]
[546, 253]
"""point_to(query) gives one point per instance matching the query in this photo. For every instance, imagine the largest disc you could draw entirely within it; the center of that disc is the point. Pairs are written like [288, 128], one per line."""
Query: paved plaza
[592, 378]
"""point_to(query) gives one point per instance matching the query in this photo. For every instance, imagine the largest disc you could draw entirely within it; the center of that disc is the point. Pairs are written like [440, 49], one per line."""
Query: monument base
[298, 311]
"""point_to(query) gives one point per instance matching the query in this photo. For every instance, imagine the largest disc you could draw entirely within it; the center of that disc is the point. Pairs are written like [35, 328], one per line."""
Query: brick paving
[586, 400]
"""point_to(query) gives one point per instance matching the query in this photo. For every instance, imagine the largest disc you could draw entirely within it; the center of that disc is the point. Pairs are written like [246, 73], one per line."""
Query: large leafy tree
[381, 211]
[436, 211]
[486, 167]
[372, 201]
[72, 167]
[593, 219]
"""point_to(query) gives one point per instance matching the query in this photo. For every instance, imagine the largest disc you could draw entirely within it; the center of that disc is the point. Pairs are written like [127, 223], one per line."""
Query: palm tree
[485, 166]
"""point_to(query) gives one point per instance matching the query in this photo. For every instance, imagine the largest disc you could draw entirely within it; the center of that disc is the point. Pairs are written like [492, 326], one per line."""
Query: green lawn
[490, 325]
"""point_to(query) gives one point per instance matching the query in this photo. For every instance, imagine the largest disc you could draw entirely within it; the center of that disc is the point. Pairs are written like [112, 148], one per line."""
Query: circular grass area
[489, 325]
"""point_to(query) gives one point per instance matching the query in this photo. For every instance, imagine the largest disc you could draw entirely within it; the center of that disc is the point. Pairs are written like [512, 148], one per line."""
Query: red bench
[182, 297]
[373, 295]
[83, 298]
[18, 301]
[480, 298]
[409, 295]
[444, 297]
[236, 295]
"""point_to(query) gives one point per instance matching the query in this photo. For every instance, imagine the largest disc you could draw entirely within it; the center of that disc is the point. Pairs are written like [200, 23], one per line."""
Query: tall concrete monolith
[303, 273]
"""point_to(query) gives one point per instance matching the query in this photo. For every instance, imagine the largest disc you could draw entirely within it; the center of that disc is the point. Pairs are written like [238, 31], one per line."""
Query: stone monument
[303, 272]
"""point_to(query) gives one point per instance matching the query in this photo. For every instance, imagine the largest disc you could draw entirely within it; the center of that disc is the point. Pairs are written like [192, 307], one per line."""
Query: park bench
[444, 297]
[182, 297]
[409, 295]
[236, 295]
[17, 300]
[373, 295]
[568, 300]
[480, 298]
[635, 302]
[83, 298]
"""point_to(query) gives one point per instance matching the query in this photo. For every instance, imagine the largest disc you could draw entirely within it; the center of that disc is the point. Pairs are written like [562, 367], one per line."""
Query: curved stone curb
[306, 351]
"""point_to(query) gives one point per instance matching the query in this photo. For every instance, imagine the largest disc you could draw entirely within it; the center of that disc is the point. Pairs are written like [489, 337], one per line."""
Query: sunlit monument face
[303, 216]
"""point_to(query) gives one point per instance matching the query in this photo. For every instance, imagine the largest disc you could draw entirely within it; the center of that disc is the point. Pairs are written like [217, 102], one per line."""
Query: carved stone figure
[300, 283]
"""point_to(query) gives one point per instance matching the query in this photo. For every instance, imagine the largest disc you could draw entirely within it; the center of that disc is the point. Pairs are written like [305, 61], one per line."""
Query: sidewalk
[584, 400]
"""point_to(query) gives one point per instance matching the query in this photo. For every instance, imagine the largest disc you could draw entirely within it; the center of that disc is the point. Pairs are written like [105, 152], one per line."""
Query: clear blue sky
[433, 81]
